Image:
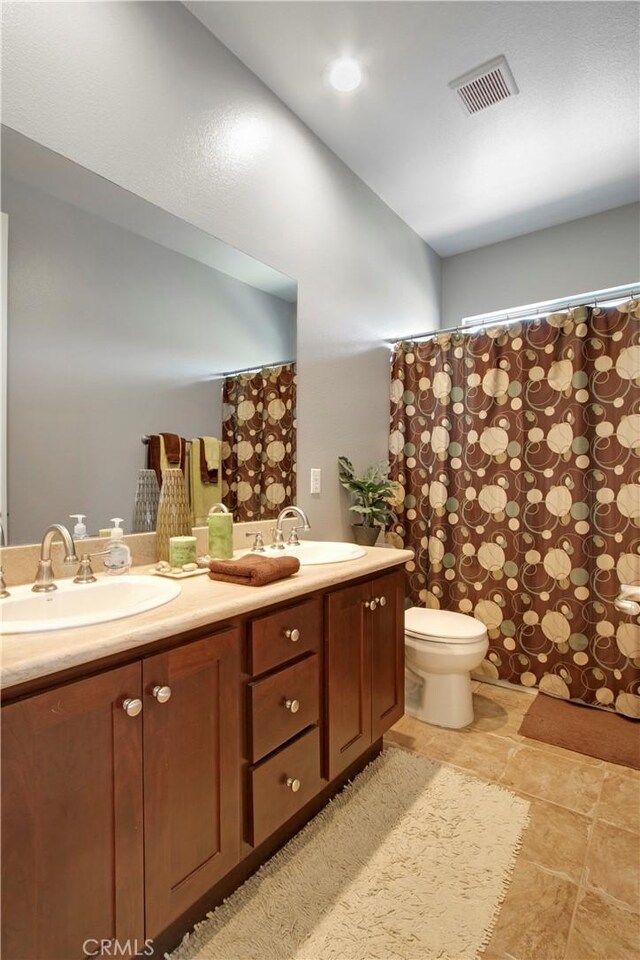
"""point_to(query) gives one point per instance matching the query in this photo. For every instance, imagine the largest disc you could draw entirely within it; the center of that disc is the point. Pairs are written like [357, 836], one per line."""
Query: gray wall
[592, 253]
[143, 94]
[112, 336]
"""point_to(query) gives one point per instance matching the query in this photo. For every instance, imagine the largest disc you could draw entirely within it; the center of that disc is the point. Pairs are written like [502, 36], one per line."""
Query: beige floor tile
[556, 839]
[510, 697]
[578, 807]
[603, 931]
[485, 756]
[438, 743]
[535, 918]
[623, 771]
[445, 744]
[489, 954]
[411, 733]
[620, 802]
[561, 752]
[568, 783]
[613, 864]
[494, 714]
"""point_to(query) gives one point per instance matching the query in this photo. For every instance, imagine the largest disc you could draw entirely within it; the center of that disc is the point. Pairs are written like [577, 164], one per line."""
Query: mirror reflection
[135, 341]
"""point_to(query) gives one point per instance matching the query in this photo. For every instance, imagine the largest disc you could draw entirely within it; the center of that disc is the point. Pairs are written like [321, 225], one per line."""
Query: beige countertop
[28, 656]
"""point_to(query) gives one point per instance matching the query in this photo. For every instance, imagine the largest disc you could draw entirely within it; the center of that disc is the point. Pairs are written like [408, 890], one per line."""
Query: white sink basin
[317, 552]
[80, 604]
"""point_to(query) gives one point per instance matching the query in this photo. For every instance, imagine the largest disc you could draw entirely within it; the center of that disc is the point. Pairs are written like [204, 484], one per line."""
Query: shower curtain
[259, 442]
[516, 453]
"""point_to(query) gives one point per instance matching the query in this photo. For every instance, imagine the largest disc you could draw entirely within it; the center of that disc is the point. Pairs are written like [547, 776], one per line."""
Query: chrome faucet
[628, 600]
[44, 574]
[278, 535]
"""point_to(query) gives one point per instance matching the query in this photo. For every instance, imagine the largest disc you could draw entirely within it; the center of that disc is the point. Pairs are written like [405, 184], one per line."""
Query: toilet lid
[422, 623]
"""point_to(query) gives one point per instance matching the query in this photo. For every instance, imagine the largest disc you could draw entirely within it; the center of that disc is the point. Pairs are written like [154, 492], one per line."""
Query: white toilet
[441, 650]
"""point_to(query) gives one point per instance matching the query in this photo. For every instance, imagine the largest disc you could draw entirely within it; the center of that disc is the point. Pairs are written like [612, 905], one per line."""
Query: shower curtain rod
[263, 366]
[531, 311]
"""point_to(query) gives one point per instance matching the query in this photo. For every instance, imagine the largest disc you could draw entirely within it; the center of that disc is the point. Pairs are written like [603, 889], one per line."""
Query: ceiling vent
[487, 84]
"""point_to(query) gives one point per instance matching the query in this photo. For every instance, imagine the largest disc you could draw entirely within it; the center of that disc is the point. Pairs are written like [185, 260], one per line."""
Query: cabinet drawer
[273, 797]
[282, 705]
[284, 634]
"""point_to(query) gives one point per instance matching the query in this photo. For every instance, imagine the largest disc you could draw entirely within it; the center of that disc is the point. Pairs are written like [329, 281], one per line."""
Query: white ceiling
[565, 147]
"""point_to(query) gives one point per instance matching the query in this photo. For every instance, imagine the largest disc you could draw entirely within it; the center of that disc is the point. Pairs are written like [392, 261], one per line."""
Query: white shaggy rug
[410, 862]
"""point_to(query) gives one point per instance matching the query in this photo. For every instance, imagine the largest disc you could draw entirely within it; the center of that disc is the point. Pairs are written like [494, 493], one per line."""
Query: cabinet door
[387, 652]
[72, 856]
[191, 773]
[348, 676]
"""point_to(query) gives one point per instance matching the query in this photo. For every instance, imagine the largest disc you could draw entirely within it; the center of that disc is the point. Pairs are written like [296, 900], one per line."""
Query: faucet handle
[294, 539]
[3, 587]
[258, 543]
[85, 574]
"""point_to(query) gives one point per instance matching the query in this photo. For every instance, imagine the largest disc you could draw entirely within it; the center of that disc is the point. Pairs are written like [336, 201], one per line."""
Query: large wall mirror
[123, 323]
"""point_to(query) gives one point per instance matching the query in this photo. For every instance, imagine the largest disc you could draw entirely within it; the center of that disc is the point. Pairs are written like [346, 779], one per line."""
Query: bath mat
[409, 862]
[596, 733]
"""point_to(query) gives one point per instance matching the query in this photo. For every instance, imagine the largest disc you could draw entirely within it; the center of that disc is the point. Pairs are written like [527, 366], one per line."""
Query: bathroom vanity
[150, 765]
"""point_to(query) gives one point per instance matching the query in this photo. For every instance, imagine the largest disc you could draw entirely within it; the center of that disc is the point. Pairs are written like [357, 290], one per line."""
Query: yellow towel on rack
[212, 452]
[203, 495]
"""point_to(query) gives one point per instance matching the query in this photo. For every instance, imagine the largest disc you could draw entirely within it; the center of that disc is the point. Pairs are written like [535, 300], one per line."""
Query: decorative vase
[174, 517]
[365, 536]
[145, 506]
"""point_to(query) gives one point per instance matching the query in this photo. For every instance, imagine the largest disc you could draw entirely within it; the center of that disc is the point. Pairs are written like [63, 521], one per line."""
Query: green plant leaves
[372, 491]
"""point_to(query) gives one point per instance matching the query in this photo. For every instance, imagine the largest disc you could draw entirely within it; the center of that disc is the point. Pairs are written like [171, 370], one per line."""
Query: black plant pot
[365, 536]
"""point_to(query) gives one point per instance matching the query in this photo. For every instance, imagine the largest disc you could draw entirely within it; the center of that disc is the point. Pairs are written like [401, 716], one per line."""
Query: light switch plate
[316, 480]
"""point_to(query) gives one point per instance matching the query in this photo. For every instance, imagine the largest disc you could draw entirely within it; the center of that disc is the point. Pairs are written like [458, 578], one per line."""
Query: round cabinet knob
[293, 705]
[293, 784]
[371, 604]
[162, 694]
[382, 601]
[132, 706]
[293, 635]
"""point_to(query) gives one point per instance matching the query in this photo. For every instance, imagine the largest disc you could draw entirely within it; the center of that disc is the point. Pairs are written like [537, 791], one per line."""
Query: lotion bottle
[119, 558]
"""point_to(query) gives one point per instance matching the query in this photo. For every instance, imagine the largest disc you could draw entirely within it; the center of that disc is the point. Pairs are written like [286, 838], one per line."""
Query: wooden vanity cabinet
[387, 653]
[192, 751]
[134, 796]
[72, 838]
[284, 715]
[121, 801]
[364, 653]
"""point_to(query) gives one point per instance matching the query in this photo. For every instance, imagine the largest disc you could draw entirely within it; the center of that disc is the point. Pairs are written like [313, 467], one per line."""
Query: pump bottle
[119, 558]
[80, 529]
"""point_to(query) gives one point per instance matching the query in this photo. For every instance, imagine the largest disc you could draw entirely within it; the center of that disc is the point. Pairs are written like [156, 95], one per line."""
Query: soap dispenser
[119, 557]
[80, 529]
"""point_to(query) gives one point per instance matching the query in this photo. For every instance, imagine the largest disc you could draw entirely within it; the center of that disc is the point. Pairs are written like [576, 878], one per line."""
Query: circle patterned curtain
[259, 442]
[516, 453]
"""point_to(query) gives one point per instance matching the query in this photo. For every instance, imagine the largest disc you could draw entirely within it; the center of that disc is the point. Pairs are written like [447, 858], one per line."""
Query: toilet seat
[421, 623]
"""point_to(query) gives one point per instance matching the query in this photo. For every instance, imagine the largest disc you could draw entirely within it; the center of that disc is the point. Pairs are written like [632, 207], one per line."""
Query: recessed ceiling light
[345, 74]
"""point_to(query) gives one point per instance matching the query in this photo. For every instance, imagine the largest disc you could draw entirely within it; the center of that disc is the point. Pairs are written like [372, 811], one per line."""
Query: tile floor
[575, 892]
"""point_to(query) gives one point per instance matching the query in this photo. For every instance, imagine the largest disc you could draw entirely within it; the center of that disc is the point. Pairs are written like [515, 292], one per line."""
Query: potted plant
[372, 492]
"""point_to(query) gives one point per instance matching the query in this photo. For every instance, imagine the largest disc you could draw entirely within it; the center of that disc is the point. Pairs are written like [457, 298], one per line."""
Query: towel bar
[145, 439]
